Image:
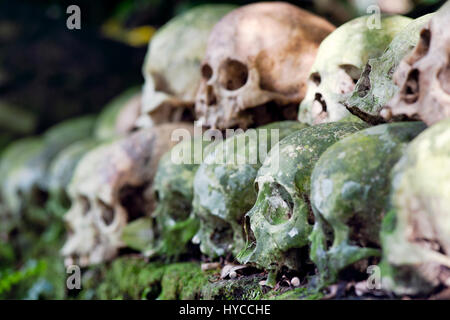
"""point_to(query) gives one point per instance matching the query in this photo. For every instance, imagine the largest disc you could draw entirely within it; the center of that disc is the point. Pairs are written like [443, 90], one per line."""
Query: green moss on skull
[349, 189]
[280, 218]
[376, 86]
[339, 62]
[223, 187]
[416, 232]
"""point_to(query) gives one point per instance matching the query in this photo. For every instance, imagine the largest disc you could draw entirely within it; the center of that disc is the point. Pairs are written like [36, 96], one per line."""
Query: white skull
[424, 75]
[258, 55]
[172, 64]
[111, 186]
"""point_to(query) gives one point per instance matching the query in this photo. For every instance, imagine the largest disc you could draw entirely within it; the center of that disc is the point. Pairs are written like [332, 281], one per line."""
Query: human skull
[174, 191]
[16, 181]
[340, 60]
[111, 186]
[26, 168]
[60, 173]
[424, 75]
[119, 116]
[416, 231]
[256, 65]
[172, 64]
[223, 187]
[349, 189]
[281, 218]
[376, 86]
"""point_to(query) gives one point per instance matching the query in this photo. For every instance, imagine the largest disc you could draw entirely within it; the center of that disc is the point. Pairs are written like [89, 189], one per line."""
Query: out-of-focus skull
[376, 86]
[416, 231]
[174, 191]
[424, 75]
[340, 60]
[25, 182]
[223, 187]
[281, 219]
[256, 65]
[16, 181]
[119, 116]
[111, 186]
[60, 173]
[172, 65]
[349, 189]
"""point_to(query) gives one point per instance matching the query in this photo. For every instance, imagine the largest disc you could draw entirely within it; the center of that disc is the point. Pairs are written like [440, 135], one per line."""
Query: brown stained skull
[424, 75]
[110, 188]
[256, 65]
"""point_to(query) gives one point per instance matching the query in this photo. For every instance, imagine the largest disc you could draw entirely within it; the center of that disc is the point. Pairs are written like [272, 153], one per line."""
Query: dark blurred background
[49, 73]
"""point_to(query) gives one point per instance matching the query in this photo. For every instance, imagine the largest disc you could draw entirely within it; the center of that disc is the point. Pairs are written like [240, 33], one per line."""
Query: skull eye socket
[424, 44]
[316, 78]
[107, 213]
[207, 71]
[352, 71]
[280, 205]
[233, 75]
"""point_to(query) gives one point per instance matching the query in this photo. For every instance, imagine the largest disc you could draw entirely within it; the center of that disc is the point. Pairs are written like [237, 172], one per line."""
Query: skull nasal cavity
[233, 75]
[107, 213]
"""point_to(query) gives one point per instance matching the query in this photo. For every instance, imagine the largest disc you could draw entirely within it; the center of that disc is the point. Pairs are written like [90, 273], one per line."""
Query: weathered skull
[349, 188]
[111, 186]
[416, 231]
[281, 219]
[424, 75]
[172, 64]
[376, 86]
[119, 116]
[60, 173]
[223, 187]
[26, 182]
[256, 65]
[339, 63]
[16, 181]
[173, 186]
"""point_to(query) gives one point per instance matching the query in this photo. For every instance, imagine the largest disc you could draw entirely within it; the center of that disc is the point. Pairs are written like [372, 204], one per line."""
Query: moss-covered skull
[172, 65]
[416, 231]
[223, 187]
[111, 186]
[376, 86]
[256, 65]
[349, 189]
[15, 180]
[26, 182]
[339, 63]
[424, 75]
[281, 220]
[173, 186]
